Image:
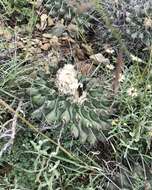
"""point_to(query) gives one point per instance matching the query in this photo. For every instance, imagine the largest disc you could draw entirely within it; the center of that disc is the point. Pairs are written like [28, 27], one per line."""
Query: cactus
[85, 120]
[65, 10]
[60, 8]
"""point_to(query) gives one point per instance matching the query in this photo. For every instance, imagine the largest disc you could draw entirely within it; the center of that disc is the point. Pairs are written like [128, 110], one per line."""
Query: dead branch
[11, 132]
[118, 72]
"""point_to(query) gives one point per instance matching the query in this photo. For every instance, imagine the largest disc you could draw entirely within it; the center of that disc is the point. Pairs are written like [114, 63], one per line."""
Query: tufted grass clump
[134, 108]
[132, 129]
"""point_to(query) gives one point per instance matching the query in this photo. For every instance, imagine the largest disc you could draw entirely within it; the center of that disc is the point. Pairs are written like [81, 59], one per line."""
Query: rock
[47, 35]
[99, 58]
[58, 30]
[73, 29]
[50, 21]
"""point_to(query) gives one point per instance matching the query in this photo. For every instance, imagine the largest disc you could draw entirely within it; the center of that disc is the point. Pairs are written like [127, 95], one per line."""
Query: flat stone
[99, 58]
[47, 35]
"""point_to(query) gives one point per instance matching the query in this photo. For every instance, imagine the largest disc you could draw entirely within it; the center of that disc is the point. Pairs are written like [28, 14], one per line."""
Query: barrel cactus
[64, 99]
[59, 8]
[70, 11]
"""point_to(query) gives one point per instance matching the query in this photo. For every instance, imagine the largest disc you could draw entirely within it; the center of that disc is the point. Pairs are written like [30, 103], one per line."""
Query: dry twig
[118, 72]
[10, 133]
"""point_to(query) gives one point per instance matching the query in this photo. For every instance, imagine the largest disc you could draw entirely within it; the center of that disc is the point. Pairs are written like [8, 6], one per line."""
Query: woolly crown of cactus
[68, 84]
[66, 80]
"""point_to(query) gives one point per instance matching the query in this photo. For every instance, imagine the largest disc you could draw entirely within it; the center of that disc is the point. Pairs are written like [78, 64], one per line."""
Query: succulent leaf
[38, 99]
[91, 137]
[74, 131]
[37, 114]
[52, 117]
[82, 134]
[66, 116]
[32, 91]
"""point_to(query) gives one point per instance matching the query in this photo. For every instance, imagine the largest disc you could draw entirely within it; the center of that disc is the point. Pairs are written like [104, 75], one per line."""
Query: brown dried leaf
[86, 69]
[45, 46]
[79, 53]
[5, 169]
[43, 22]
[87, 49]
[54, 42]
[50, 21]
[67, 40]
